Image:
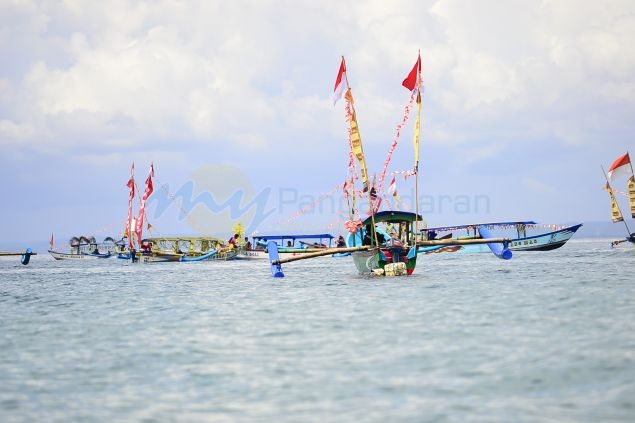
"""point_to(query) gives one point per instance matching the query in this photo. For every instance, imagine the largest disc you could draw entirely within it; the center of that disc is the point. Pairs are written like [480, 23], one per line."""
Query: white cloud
[186, 82]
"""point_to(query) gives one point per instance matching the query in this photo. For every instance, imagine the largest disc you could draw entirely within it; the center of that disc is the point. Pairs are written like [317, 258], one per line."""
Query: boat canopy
[475, 225]
[292, 236]
[392, 216]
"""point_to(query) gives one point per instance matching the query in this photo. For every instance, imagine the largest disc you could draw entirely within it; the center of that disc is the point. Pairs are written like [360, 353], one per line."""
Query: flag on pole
[412, 81]
[631, 195]
[142, 208]
[341, 83]
[393, 187]
[620, 167]
[51, 244]
[616, 214]
[129, 225]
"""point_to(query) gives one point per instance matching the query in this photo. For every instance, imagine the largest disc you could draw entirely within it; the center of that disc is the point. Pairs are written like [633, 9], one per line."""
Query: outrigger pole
[26, 256]
[275, 261]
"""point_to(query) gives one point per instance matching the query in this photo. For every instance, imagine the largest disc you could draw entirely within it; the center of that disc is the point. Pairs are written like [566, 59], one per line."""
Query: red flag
[621, 166]
[130, 185]
[341, 84]
[142, 207]
[51, 245]
[411, 81]
[393, 187]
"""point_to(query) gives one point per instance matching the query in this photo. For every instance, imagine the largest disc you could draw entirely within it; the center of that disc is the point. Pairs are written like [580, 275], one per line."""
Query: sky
[523, 103]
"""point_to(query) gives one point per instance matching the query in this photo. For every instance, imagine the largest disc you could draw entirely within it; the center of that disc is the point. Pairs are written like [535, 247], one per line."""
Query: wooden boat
[289, 245]
[82, 248]
[394, 256]
[181, 249]
[543, 241]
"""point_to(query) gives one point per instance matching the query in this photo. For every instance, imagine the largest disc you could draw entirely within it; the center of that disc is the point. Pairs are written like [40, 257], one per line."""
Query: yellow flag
[417, 130]
[616, 214]
[631, 195]
[356, 146]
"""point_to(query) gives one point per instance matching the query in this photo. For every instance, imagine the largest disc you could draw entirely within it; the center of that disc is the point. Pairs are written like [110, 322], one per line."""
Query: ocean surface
[544, 337]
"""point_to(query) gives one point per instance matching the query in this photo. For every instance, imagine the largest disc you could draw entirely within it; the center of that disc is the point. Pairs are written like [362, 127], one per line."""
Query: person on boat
[340, 242]
[366, 240]
[233, 241]
[289, 244]
[247, 244]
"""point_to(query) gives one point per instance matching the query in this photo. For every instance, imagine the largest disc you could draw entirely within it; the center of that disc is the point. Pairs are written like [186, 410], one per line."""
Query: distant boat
[81, 248]
[182, 249]
[289, 245]
[543, 241]
[621, 167]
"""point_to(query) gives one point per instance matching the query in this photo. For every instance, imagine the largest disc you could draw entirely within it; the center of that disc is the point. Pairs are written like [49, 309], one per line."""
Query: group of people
[233, 242]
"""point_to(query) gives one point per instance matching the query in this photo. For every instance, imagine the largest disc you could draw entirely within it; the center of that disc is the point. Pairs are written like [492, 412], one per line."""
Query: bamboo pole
[451, 241]
[326, 252]
[16, 254]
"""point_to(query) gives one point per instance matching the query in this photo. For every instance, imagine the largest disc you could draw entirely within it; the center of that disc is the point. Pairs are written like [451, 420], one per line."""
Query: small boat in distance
[83, 247]
[289, 245]
[522, 241]
[181, 249]
[621, 167]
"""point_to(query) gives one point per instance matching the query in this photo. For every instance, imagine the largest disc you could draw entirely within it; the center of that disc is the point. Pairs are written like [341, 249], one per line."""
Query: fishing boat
[82, 248]
[395, 255]
[521, 240]
[621, 167]
[182, 249]
[289, 245]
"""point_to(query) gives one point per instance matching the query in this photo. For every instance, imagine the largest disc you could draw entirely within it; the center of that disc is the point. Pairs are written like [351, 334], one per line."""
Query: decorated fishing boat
[621, 167]
[395, 255]
[182, 249]
[289, 245]
[82, 248]
[377, 254]
[519, 234]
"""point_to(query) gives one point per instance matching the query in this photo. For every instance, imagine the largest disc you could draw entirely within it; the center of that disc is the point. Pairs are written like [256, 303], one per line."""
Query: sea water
[544, 337]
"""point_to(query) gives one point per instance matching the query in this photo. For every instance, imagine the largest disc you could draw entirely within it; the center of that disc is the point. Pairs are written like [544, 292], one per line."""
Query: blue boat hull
[541, 242]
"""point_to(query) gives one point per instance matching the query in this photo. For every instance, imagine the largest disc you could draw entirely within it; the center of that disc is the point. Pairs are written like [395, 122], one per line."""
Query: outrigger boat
[289, 245]
[394, 256]
[397, 255]
[181, 249]
[520, 242]
[82, 248]
[621, 167]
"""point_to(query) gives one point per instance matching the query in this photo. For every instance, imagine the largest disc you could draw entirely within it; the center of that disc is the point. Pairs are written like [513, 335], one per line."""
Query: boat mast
[416, 147]
[356, 138]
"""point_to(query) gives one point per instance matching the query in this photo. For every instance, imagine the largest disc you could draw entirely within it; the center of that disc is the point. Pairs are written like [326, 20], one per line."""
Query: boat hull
[212, 255]
[384, 261]
[264, 255]
[82, 256]
[541, 242]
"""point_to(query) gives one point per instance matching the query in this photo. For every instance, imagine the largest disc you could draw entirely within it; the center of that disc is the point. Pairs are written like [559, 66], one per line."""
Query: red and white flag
[412, 81]
[620, 167]
[393, 187]
[129, 220]
[341, 83]
[142, 207]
